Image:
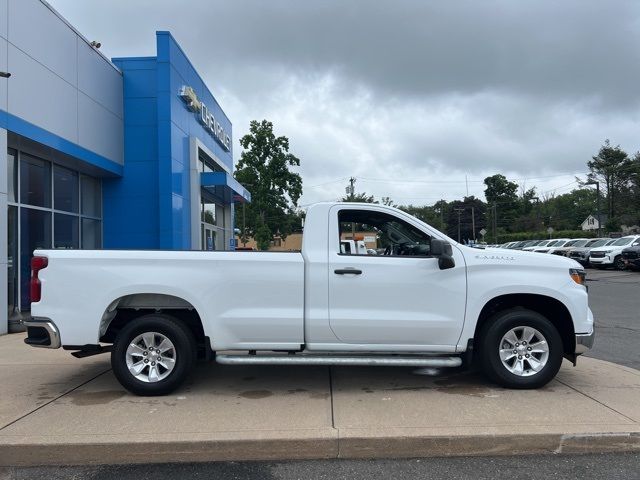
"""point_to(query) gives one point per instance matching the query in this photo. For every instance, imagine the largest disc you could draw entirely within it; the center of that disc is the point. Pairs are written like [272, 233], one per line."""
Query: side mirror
[443, 252]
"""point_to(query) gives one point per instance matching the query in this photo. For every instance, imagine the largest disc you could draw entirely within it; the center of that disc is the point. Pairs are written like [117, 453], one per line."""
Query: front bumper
[42, 332]
[601, 261]
[584, 341]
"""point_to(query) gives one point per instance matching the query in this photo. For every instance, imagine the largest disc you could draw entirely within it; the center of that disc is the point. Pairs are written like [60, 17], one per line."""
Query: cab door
[398, 296]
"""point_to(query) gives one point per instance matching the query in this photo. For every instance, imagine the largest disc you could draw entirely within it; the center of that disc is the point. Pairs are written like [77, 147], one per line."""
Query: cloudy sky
[416, 99]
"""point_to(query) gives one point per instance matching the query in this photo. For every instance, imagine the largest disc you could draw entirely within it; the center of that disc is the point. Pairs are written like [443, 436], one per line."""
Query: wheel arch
[551, 308]
[128, 307]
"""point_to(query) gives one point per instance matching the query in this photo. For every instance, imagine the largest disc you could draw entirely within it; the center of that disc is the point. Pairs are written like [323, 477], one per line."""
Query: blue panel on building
[152, 200]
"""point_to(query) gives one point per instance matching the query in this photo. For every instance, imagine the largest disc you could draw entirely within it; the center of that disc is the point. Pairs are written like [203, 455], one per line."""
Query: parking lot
[614, 297]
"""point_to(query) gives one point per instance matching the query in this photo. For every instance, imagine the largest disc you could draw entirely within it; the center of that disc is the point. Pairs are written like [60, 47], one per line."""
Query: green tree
[433, 215]
[470, 212]
[265, 168]
[568, 211]
[611, 169]
[502, 198]
[359, 197]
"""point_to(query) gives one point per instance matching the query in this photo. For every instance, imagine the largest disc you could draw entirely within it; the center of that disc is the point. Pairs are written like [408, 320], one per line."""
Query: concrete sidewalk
[55, 409]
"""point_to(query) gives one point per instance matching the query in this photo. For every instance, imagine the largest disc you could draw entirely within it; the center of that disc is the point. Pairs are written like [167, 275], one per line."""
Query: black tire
[492, 334]
[185, 354]
[618, 263]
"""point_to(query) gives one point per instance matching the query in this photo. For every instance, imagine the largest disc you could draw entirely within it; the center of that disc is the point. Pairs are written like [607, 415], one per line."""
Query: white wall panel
[51, 67]
[36, 30]
[4, 82]
[100, 130]
[4, 18]
[40, 97]
[98, 79]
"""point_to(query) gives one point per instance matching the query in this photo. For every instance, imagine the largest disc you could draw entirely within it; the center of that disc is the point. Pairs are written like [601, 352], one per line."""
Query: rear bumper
[584, 341]
[42, 333]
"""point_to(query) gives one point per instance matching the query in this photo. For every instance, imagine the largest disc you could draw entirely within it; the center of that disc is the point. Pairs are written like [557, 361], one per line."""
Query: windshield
[622, 241]
[552, 243]
[597, 243]
[578, 243]
[544, 244]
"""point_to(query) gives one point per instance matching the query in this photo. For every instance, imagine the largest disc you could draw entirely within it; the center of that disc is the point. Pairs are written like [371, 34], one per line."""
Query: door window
[366, 232]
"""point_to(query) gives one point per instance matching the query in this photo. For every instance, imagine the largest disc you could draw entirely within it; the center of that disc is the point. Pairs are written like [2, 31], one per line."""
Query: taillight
[37, 264]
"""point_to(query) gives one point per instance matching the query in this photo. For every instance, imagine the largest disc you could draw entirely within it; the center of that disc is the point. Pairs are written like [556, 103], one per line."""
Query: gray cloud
[400, 91]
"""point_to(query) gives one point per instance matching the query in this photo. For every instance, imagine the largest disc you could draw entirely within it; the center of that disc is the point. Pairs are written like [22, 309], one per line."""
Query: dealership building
[131, 152]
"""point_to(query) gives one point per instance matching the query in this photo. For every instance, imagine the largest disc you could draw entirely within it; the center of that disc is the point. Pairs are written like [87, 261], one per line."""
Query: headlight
[578, 275]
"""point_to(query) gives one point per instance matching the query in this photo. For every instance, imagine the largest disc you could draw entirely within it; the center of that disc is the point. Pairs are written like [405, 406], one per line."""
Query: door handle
[347, 271]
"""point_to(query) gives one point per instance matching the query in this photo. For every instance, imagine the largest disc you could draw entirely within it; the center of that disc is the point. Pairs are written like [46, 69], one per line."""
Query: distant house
[591, 222]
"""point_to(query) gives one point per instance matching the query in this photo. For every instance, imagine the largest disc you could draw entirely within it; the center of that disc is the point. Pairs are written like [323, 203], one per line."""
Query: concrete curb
[321, 447]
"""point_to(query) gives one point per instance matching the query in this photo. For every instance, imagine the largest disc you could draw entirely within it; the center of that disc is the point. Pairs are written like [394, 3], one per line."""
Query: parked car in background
[554, 242]
[611, 255]
[581, 254]
[631, 256]
[536, 244]
[564, 250]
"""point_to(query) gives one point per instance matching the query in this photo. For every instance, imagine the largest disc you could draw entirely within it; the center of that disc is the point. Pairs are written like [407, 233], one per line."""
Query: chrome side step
[304, 359]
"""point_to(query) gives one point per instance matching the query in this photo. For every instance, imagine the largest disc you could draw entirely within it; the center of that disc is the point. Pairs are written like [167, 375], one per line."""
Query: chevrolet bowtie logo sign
[205, 117]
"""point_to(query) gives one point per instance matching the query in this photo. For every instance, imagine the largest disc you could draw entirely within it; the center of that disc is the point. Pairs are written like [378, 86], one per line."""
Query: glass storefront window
[66, 233]
[35, 232]
[12, 260]
[91, 197]
[35, 181]
[208, 214]
[65, 189]
[91, 234]
[12, 176]
[49, 207]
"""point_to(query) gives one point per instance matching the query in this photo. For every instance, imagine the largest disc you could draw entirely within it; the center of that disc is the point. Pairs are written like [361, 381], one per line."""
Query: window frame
[336, 215]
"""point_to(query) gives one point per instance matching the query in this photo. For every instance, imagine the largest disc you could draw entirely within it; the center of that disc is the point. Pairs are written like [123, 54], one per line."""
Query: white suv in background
[556, 242]
[611, 255]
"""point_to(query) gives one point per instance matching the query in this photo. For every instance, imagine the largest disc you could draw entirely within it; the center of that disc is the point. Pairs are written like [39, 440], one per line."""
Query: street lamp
[597, 184]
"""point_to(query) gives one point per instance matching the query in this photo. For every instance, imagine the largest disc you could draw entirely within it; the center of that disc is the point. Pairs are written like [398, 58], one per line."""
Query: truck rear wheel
[520, 348]
[153, 355]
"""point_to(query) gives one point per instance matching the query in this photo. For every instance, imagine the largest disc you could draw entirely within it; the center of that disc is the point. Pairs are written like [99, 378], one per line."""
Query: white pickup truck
[423, 301]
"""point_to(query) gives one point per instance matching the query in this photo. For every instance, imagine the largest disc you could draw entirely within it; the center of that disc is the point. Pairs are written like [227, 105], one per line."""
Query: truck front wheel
[153, 355]
[520, 348]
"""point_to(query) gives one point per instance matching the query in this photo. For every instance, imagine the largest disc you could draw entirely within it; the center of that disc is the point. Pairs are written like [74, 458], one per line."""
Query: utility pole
[495, 223]
[597, 184]
[473, 223]
[351, 190]
[598, 206]
[459, 210]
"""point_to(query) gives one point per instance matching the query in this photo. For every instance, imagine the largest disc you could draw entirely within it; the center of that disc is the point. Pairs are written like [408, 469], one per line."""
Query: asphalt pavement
[614, 298]
[539, 467]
